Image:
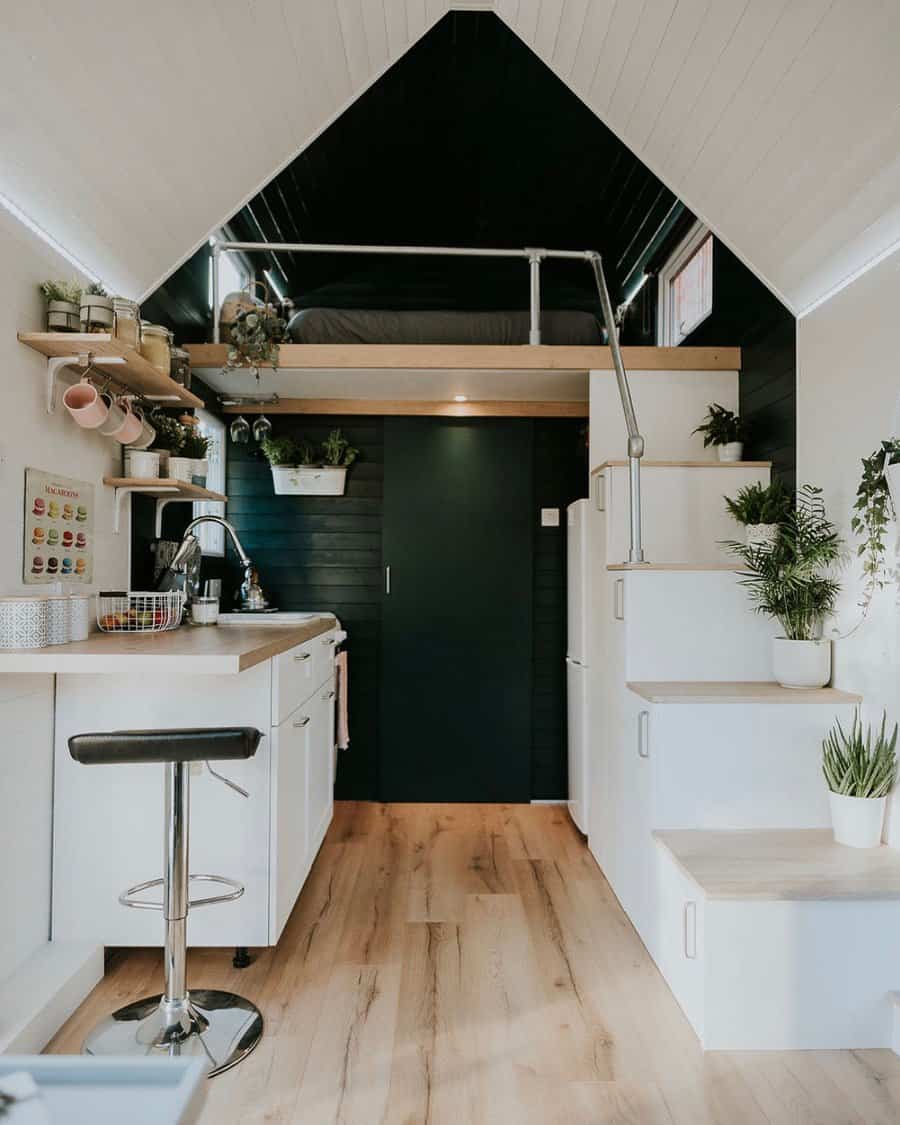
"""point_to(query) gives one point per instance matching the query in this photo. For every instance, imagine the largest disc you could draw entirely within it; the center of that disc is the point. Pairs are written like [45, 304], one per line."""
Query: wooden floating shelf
[479, 357]
[737, 692]
[165, 486]
[133, 373]
[375, 407]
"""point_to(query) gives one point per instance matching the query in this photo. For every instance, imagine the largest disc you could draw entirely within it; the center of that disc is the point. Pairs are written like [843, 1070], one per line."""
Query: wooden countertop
[785, 864]
[192, 649]
[736, 692]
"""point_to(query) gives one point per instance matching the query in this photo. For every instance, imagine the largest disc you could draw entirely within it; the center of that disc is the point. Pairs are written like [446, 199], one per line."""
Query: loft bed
[540, 358]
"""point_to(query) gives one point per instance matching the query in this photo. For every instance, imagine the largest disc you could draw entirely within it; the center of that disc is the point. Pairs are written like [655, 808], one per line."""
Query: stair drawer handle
[619, 599]
[328, 695]
[690, 930]
[643, 734]
[302, 722]
[600, 492]
[328, 641]
[299, 657]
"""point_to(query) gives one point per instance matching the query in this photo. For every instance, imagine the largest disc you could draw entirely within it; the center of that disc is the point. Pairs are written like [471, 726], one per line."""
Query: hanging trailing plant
[256, 335]
[873, 511]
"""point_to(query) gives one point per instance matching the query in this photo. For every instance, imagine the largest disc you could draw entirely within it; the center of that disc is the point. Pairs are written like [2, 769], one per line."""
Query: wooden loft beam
[374, 406]
[466, 357]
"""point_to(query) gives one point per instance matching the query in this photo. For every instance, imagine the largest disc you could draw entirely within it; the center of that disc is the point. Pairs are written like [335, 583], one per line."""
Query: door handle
[619, 599]
[387, 579]
[643, 734]
[600, 492]
[304, 722]
[690, 930]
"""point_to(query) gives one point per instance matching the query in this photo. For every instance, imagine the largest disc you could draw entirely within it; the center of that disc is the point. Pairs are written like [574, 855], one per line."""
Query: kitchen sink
[270, 617]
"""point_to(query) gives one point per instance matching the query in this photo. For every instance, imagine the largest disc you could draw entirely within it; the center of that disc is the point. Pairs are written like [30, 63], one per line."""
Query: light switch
[549, 517]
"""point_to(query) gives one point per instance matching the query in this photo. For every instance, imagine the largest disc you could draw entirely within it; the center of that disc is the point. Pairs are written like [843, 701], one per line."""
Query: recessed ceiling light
[460, 398]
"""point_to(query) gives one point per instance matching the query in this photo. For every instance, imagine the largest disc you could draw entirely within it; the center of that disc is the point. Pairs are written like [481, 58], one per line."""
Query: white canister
[143, 464]
[58, 620]
[79, 617]
[181, 468]
[23, 622]
[205, 611]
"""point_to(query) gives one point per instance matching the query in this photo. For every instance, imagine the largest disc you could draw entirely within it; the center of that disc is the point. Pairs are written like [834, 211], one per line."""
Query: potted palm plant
[723, 429]
[298, 469]
[762, 509]
[860, 769]
[790, 582]
[63, 305]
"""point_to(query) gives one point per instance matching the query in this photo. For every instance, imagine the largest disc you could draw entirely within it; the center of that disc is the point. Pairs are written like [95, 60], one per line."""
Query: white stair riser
[684, 518]
[692, 625]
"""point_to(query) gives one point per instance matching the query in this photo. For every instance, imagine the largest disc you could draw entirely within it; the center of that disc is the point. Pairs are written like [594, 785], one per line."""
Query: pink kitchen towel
[343, 702]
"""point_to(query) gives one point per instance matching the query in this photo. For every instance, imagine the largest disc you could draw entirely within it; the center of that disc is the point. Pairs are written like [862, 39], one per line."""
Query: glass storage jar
[181, 367]
[156, 346]
[127, 322]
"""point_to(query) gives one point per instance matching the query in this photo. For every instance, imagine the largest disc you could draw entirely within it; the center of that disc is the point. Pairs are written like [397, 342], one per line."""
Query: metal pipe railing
[534, 257]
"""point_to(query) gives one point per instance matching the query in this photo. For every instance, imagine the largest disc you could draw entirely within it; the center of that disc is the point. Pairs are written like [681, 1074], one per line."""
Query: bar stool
[220, 1026]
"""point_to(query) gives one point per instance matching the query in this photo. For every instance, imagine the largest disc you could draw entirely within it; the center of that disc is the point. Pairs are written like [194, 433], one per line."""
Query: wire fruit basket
[140, 612]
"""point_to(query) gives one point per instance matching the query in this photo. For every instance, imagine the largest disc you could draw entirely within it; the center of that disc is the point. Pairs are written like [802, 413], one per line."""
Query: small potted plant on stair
[297, 469]
[723, 429]
[860, 769]
[762, 509]
[63, 305]
[791, 582]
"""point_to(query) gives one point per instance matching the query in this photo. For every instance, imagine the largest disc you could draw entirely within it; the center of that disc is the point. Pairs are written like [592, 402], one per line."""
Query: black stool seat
[203, 744]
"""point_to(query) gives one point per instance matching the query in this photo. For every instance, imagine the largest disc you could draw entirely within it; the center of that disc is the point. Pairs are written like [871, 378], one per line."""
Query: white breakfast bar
[108, 820]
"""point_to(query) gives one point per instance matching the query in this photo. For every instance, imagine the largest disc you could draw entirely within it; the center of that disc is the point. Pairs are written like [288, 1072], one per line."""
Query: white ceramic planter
[181, 468]
[63, 316]
[762, 536]
[733, 451]
[892, 476]
[199, 471]
[143, 464]
[801, 664]
[309, 480]
[96, 313]
[857, 821]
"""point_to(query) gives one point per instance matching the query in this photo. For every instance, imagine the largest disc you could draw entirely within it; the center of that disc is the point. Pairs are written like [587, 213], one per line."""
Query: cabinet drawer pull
[328, 695]
[328, 641]
[299, 657]
[302, 722]
[643, 734]
[690, 930]
[619, 599]
[600, 492]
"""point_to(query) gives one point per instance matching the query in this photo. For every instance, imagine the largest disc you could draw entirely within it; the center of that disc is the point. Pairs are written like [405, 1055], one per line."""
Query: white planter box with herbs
[300, 469]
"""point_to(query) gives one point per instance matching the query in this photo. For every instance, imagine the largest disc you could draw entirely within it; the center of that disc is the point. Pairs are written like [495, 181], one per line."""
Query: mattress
[439, 326]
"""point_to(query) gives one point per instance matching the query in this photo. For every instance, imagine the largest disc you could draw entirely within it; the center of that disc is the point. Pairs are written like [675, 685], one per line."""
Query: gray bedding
[385, 326]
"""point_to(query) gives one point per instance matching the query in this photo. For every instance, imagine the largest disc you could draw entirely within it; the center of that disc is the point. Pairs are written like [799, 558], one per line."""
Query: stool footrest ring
[128, 897]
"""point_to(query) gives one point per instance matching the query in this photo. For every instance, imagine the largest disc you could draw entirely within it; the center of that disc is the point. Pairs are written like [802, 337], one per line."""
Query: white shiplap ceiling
[129, 132]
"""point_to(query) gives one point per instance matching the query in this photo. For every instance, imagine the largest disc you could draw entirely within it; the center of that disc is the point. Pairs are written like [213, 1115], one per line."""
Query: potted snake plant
[860, 769]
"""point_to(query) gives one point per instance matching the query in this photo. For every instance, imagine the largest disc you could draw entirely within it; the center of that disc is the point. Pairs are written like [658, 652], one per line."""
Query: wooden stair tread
[736, 567]
[685, 691]
[783, 864]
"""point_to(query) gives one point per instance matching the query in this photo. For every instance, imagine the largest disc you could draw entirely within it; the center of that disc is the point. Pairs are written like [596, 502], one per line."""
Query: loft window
[686, 287]
[212, 535]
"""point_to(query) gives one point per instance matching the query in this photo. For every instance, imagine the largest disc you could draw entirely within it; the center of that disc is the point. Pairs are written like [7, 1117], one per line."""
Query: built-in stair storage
[708, 811]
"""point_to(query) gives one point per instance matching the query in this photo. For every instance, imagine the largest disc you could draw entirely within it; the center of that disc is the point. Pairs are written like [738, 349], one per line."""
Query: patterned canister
[23, 622]
[57, 620]
[79, 617]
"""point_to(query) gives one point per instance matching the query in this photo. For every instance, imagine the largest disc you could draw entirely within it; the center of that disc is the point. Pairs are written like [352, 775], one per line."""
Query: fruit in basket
[111, 621]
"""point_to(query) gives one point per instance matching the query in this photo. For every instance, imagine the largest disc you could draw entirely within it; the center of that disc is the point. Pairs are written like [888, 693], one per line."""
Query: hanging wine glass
[262, 428]
[240, 430]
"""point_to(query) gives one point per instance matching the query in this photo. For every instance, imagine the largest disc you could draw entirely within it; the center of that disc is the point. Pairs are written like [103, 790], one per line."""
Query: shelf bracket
[55, 364]
[161, 507]
[126, 490]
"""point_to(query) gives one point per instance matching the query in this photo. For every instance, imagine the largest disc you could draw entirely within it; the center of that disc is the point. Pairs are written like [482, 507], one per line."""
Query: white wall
[30, 437]
[848, 359]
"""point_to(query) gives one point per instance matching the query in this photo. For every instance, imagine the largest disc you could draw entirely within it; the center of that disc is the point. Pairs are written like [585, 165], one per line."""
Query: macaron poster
[59, 529]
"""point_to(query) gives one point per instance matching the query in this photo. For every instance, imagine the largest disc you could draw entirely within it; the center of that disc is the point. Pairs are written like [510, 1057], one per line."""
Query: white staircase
[708, 810]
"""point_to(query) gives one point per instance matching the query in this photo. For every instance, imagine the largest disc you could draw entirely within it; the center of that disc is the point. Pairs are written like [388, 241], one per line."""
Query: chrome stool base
[217, 1025]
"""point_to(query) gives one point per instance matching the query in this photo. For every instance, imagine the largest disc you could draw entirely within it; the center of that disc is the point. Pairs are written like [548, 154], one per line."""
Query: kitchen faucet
[184, 569]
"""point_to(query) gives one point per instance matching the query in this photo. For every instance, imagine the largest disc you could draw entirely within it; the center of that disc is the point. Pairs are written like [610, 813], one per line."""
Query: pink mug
[132, 426]
[86, 405]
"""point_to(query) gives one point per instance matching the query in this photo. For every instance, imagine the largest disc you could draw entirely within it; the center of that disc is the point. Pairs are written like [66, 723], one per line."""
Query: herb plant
[872, 512]
[337, 450]
[280, 450]
[721, 426]
[170, 433]
[789, 581]
[860, 764]
[757, 503]
[69, 291]
[195, 443]
[95, 289]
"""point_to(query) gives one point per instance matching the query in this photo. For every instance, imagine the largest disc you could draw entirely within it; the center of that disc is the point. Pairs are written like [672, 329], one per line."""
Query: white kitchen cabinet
[108, 820]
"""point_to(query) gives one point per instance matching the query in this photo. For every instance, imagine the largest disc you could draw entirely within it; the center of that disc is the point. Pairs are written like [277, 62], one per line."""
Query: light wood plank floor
[469, 964]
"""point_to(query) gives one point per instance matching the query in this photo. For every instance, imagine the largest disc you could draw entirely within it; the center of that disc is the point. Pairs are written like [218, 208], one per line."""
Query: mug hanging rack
[85, 361]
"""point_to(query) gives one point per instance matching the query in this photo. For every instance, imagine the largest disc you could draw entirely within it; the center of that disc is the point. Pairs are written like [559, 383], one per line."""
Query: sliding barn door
[457, 618]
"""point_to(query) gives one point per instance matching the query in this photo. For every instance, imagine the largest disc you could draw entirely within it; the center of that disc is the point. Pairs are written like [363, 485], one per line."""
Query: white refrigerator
[578, 534]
